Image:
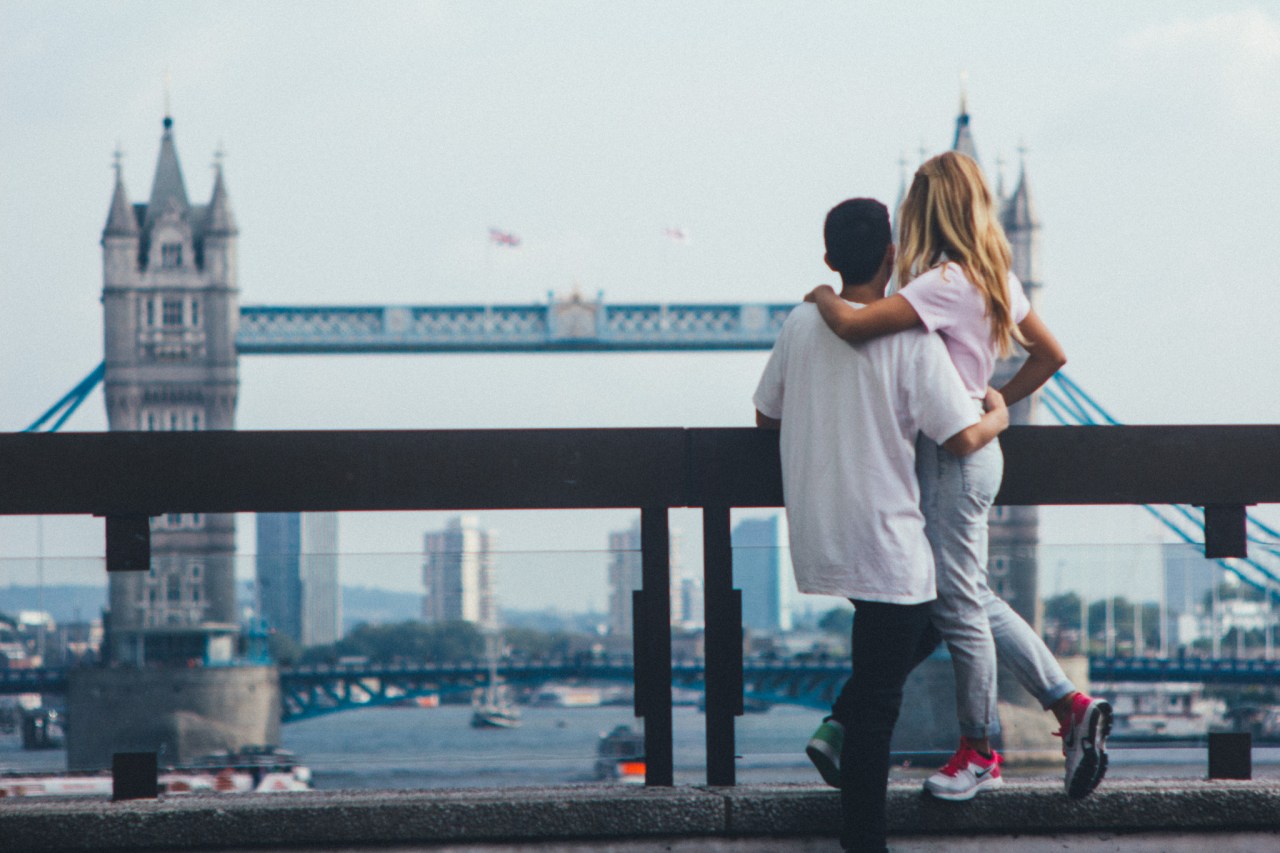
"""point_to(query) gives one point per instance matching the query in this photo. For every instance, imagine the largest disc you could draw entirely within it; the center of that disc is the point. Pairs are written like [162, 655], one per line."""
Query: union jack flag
[503, 238]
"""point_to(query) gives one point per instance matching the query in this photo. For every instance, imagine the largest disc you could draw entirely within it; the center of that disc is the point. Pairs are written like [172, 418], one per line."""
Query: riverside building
[297, 576]
[626, 575]
[457, 574]
[762, 574]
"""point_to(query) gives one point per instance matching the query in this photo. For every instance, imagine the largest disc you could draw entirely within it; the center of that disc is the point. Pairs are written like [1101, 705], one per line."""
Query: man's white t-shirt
[850, 415]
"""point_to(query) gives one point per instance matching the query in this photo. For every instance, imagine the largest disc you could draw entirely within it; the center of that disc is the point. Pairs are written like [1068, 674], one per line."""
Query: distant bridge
[568, 325]
[312, 691]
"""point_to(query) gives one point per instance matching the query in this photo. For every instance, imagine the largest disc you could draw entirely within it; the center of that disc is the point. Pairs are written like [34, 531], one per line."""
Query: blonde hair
[949, 209]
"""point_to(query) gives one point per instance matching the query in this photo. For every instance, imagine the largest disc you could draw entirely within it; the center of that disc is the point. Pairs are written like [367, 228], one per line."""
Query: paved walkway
[1145, 815]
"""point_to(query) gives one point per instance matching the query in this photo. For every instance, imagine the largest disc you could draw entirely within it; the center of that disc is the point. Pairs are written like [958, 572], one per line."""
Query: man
[848, 418]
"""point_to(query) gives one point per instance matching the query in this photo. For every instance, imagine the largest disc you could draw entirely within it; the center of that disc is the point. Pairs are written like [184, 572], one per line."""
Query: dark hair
[857, 233]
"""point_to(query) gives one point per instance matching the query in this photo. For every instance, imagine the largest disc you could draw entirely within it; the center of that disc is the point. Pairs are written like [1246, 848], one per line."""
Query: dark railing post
[1230, 755]
[128, 543]
[133, 776]
[653, 663]
[1225, 532]
[722, 607]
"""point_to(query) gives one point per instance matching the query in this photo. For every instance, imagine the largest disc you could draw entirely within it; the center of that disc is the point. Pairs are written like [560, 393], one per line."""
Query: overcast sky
[370, 146]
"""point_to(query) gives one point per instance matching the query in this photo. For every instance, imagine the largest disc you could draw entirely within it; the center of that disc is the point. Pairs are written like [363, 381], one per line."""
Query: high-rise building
[1188, 582]
[626, 575]
[170, 306]
[758, 570]
[297, 576]
[457, 574]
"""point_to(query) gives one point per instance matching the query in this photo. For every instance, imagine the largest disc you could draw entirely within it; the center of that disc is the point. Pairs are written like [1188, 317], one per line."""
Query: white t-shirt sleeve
[1018, 302]
[768, 396]
[937, 398]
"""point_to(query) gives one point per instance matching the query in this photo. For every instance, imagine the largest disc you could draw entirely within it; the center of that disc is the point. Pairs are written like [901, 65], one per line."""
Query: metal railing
[129, 477]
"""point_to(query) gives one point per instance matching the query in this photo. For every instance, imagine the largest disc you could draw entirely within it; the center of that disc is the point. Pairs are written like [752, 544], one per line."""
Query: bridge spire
[219, 220]
[1022, 226]
[168, 189]
[963, 140]
[120, 220]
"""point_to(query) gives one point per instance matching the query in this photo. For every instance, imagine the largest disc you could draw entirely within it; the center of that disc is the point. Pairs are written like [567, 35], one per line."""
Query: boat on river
[620, 756]
[493, 706]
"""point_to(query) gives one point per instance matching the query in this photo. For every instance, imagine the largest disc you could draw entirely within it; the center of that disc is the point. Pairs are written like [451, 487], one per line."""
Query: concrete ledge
[1035, 806]
[562, 818]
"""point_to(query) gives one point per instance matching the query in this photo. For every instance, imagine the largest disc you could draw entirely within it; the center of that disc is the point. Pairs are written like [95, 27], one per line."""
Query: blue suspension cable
[1068, 384]
[1074, 413]
[1067, 405]
[71, 400]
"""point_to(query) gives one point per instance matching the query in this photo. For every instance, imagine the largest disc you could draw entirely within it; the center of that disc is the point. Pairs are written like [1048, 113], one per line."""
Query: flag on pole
[677, 234]
[503, 238]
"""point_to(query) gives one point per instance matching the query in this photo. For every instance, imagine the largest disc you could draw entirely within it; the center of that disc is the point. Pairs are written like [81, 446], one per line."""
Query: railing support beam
[1225, 532]
[722, 607]
[652, 627]
[128, 543]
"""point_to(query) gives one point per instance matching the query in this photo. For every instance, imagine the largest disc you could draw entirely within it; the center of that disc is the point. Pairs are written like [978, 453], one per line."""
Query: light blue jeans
[956, 494]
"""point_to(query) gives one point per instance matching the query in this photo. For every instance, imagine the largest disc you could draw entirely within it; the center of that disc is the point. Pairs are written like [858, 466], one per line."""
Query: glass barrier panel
[385, 668]
[1155, 604]
[51, 620]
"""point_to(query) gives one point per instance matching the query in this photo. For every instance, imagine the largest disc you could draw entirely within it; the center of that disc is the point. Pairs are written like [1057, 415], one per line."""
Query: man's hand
[812, 295]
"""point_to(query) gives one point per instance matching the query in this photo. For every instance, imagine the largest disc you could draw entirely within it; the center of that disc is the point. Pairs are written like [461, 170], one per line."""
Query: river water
[437, 748]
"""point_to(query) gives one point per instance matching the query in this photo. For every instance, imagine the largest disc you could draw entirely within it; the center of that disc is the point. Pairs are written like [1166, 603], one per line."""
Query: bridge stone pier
[181, 714]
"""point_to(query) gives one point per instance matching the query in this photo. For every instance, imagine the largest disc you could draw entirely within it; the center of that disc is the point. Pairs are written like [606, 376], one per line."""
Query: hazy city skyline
[371, 147]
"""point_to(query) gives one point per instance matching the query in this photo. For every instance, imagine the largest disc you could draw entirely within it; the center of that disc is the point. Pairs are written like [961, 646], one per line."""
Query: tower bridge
[174, 332]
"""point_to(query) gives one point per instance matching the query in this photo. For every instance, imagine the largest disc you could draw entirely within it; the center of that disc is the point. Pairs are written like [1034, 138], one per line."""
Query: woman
[954, 272]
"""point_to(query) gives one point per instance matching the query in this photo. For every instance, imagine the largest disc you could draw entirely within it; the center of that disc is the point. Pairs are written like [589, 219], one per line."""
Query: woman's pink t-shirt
[949, 303]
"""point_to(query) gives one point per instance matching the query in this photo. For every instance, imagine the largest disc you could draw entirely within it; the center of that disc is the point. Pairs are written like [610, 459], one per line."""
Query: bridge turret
[963, 139]
[1022, 227]
[167, 235]
[217, 254]
[1012, 568]
[170, 309]
[121, 240]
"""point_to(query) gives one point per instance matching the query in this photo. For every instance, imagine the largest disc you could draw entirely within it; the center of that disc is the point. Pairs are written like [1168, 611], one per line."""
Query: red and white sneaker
[966, 774]
[1084, 743]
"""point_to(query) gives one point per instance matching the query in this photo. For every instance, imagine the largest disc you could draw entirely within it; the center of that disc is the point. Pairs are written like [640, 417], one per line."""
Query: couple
[889, 470]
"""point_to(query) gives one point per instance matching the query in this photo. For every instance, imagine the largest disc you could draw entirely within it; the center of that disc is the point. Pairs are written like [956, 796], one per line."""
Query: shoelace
[960, 759]
[1068, 726]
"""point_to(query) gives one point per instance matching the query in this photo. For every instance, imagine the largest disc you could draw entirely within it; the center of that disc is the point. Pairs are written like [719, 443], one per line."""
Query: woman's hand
[993, 400]
[812, 295]
[1045, 357]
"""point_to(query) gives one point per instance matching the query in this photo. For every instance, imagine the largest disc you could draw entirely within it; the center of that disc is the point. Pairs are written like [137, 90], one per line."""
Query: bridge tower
[1013, 567]
[170, 310]
[170, 307]
[1015, 530]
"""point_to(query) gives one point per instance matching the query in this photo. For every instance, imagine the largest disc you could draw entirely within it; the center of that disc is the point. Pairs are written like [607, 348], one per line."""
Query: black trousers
[888, 641]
